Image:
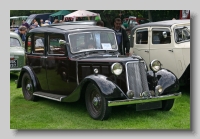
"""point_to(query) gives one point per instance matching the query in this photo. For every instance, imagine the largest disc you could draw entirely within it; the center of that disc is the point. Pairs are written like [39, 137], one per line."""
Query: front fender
[28, 70]
[165, 78]
[109, 89]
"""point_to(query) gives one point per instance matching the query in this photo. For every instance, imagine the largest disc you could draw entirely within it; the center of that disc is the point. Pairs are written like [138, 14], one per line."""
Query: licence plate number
[13, 63]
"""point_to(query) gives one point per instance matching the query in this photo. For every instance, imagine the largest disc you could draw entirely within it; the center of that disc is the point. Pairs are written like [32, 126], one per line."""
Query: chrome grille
[136, 77]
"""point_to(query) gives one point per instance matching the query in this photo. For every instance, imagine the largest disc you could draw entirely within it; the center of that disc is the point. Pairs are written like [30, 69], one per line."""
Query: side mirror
[63, 42]
[164, 34]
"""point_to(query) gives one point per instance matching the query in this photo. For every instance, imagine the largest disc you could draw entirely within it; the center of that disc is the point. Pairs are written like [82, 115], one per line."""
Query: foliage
[109, 15]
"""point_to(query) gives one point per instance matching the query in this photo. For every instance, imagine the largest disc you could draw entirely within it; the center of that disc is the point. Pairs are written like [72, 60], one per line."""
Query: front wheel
[96, 104]
[167, 104]
[27, 87]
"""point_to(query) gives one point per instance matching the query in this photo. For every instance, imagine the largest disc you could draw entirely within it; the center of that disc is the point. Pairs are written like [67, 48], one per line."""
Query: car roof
[67, 28]
[14, 35]
[165, 23]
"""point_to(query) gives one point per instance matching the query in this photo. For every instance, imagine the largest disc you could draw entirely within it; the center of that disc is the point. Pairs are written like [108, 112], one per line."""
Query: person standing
[22, 32]
[122, 38]
[41, 22]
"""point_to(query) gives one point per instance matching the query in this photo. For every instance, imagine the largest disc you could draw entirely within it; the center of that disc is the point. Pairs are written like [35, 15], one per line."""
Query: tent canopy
[81, 13]
[60, 14]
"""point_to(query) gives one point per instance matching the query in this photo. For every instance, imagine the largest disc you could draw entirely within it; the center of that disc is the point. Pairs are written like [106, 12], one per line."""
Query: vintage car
[168, 41]
[70, 62]
[16, 53]
[132, 21]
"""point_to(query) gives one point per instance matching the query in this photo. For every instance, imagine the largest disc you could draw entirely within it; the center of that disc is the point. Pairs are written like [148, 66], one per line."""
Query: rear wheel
[96, 104]
[27, 87]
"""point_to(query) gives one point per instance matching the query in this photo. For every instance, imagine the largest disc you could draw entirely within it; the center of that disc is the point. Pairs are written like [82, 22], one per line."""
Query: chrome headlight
[116, 68]
[155, 65]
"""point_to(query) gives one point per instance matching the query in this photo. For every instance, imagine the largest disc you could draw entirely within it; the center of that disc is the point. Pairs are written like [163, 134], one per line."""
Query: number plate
[13, 63]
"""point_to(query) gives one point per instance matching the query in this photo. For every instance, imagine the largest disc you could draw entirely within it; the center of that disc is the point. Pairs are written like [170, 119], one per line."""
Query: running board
[50, 96]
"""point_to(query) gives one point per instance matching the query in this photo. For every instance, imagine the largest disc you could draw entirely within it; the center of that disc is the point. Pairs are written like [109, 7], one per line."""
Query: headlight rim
[151, 65]
[112, 67]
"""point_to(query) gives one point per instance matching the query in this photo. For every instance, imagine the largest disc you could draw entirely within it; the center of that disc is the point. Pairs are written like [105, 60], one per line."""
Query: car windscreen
[93, 40]
[181, 34]
[14, 42]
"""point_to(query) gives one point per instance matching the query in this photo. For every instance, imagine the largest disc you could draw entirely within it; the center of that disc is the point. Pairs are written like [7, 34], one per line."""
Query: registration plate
[13, 63]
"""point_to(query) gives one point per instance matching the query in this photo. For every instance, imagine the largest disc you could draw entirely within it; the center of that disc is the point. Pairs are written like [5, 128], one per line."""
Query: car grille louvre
[136, 77]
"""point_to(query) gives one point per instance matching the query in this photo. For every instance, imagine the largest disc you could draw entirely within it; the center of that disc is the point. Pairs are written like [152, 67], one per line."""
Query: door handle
[147, 51]
[43, 57]
[171, 50]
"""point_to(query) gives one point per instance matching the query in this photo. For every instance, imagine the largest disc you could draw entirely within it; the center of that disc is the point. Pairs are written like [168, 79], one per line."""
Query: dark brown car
[67, 62]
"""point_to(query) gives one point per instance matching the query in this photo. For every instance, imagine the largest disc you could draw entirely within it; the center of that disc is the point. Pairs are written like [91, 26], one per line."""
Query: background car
[16, 52]
[132, 21]
[67, 63]
[168, 41]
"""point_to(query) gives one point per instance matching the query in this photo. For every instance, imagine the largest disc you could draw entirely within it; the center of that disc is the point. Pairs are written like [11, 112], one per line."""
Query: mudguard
[33, 79]
[165, 78]
[109, 89]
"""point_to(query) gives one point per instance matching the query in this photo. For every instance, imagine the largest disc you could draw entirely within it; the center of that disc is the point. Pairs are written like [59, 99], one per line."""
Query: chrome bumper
[143, 99]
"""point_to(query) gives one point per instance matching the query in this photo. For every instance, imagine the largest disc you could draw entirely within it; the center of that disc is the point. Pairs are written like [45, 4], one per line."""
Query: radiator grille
[136, 77]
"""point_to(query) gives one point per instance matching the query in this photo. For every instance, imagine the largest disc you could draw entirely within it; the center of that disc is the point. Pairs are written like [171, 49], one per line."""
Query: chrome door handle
[43, 57]
[147, 51]
[171, 50]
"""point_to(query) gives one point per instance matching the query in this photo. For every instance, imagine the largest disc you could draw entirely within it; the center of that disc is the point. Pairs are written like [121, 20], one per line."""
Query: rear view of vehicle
[16, 53]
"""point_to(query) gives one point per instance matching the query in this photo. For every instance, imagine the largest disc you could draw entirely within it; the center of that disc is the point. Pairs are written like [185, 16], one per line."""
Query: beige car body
[173, 56]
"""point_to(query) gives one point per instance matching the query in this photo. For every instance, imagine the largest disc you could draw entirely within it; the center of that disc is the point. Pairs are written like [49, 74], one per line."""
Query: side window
[38, 43]
[142, 36]
[161, 36]
[54, 47]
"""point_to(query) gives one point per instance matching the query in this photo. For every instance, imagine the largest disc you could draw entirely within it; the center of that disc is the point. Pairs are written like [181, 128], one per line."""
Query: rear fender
[30, 72]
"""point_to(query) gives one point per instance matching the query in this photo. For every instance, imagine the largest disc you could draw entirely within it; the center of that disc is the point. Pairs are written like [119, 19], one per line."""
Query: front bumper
[15, 69]
[143, 99]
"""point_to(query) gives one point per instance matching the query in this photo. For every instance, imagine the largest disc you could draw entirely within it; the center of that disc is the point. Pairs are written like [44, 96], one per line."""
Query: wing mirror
[164, 34]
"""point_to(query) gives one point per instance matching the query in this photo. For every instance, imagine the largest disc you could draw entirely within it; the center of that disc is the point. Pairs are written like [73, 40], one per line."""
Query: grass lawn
[49, 114]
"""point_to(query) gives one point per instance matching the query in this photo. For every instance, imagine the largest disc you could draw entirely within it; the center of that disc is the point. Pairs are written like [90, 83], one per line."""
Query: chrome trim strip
[77, 80]
[143, 100]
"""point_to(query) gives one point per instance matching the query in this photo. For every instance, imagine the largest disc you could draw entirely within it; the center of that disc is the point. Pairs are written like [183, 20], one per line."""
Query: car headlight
[155, 65]
[116, 68]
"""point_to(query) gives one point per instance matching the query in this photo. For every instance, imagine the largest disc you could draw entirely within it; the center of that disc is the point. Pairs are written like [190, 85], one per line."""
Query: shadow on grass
[14, 76]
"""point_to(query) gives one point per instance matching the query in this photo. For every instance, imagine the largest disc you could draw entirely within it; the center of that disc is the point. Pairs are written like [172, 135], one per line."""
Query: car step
[50, 96]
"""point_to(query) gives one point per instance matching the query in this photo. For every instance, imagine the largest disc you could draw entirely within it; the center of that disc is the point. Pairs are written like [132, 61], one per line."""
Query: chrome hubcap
[96, 101]
[28, 87]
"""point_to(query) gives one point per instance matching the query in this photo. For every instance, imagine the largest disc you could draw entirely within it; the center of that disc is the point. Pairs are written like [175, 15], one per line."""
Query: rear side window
[38, 43]
[14, 42]
[142, 36]
[161, 36]
[54, 47]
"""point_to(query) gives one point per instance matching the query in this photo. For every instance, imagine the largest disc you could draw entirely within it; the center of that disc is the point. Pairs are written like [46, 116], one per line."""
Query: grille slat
[136, 77]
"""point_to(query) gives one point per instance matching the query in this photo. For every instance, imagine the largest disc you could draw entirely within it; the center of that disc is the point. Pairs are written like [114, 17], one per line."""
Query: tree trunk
[149, 16]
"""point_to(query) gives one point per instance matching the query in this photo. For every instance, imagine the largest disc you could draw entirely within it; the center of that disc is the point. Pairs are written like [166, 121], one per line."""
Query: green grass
[49, 114]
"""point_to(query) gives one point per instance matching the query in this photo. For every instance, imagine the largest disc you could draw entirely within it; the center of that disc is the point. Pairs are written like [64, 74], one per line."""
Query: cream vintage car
[168, 41]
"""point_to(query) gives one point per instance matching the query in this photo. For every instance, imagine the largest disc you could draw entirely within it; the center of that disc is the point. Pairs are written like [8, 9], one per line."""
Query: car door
[161, 48]
[57, 63]
[36, 58]
[141, 43]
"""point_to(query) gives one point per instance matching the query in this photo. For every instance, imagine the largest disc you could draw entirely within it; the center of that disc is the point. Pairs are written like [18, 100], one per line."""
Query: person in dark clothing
[100, 23]
[22, 32]
[122, 37]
